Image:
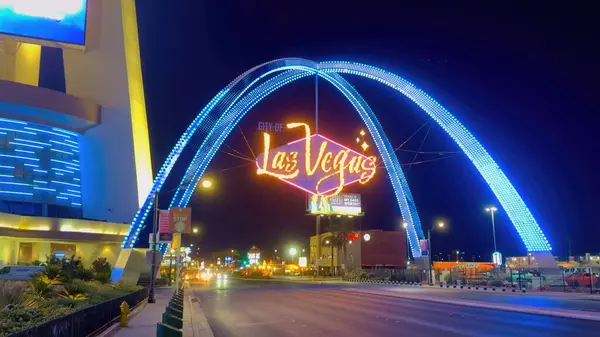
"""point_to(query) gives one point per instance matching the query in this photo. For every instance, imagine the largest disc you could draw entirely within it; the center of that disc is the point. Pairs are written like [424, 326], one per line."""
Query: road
[273, 309]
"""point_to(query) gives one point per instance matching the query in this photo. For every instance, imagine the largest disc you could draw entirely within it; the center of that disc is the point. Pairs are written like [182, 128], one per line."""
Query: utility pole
[318, 232]
[430, 255]
[151, 298]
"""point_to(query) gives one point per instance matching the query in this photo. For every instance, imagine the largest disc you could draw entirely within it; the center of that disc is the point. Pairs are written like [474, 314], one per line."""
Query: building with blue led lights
[74, 151]
[40, 170]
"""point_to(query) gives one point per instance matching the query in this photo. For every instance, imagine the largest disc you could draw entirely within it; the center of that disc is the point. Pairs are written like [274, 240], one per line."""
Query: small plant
[52, 274]
[74, 297]
[40, 288]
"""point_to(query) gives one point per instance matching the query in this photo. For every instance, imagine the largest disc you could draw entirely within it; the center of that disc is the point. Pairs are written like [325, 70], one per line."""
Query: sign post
[181, 223]
[153, 236]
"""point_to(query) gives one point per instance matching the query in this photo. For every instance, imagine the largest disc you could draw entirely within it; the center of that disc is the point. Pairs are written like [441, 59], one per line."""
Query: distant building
[524, 262]
[363, 249]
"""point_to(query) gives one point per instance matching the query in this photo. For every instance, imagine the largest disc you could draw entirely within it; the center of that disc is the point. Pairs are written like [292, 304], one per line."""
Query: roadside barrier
[171, 324]
[441, 285]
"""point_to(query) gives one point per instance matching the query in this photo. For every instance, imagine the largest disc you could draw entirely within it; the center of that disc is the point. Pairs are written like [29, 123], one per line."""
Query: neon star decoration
[315, 163]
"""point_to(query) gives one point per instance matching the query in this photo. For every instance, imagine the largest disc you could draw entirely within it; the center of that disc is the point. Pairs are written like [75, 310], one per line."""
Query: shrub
[78, 287]
[19, 318]
[496, 283]
[11, 293]
[102, 277]
[36, 263]
[84, 274]
[101, 266]
[126, 287]
[71, 267]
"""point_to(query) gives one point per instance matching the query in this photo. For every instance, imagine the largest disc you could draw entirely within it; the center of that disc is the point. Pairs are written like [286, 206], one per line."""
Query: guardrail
[85, 322]
[172, 319]
[440, 285]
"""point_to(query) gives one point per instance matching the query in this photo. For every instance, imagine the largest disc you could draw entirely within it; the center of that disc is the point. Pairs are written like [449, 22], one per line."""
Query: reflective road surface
[278, 309]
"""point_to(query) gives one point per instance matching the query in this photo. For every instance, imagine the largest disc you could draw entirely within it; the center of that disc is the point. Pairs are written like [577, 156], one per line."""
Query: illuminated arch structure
[214, 123]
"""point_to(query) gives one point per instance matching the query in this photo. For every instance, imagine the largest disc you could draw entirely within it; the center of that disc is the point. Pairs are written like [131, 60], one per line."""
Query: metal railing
[86, 322]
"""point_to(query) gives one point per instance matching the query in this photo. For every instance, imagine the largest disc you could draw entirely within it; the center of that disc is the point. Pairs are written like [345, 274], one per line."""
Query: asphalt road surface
[272, 309]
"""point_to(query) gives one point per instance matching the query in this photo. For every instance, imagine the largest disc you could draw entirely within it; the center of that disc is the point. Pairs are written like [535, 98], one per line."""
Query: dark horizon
[521, 80]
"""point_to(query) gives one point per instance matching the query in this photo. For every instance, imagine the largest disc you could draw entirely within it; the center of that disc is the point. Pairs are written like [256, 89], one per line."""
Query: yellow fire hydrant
[124, 313]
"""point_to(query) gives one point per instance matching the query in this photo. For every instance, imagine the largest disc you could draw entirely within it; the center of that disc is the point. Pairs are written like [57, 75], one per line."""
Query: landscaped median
[66, 298]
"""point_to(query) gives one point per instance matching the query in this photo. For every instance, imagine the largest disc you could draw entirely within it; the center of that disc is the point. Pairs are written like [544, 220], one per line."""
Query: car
[20, 273]
[582, 279]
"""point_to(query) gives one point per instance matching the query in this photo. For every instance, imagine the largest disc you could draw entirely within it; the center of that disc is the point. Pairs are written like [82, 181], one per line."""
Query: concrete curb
[195, 322]
[564, 313]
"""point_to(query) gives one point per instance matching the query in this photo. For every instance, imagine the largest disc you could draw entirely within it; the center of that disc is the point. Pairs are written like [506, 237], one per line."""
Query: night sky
[523, 80]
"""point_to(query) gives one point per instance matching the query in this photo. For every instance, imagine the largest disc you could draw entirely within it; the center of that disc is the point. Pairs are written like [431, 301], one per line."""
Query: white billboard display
[343, 203]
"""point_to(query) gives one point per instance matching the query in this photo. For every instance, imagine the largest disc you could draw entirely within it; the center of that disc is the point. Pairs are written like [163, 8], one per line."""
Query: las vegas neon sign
[315, 164]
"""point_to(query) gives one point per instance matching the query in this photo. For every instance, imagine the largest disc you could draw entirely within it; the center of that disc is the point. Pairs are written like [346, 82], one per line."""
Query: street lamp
[195, 230]
[439, 225]
[405, 226]
[293, 251]
[491, 210]
[206, 183]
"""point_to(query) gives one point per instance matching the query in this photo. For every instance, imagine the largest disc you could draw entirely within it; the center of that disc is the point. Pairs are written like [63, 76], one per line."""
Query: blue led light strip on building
[508, 197]
[33, 147]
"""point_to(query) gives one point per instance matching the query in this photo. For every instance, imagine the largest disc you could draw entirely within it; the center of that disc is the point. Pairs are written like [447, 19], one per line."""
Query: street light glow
[441, 225]
[195, 230]
[404, 224]
[206, 183]
[491, 209]
[293, 251]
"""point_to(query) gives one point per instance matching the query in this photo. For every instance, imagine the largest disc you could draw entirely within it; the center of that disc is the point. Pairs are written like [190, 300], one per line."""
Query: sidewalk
[143, 324]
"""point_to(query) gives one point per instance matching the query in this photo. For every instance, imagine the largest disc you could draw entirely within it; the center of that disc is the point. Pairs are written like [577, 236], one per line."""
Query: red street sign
[164, 222]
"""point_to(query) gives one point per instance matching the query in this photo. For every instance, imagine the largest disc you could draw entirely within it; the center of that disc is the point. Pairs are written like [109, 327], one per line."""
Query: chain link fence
[580, 279]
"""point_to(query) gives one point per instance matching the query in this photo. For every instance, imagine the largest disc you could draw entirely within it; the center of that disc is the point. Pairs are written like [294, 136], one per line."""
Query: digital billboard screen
[343, 203]
[62, 21]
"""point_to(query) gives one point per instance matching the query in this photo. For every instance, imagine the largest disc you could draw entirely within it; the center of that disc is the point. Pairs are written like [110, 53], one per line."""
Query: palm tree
[339, 228]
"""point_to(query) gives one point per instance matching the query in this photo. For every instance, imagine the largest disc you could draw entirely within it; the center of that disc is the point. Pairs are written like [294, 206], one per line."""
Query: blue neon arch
[225, 110]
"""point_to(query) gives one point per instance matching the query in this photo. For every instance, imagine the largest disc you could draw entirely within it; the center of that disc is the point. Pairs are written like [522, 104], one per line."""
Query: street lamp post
[440, 225]
[171, 265]
[293, 252]
[405, 226]
[151, 298]
[492, 210]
